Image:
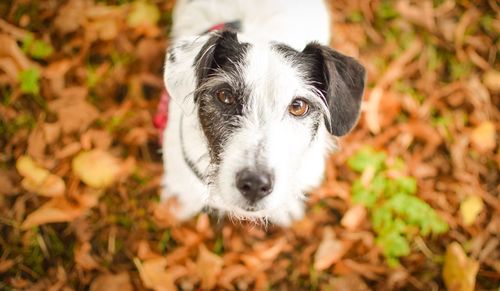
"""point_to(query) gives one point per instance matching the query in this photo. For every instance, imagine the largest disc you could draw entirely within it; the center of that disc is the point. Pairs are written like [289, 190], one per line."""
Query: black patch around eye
[222, 53]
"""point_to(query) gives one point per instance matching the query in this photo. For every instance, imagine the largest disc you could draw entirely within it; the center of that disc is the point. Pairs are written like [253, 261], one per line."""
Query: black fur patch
[340, 78]
[222, 53]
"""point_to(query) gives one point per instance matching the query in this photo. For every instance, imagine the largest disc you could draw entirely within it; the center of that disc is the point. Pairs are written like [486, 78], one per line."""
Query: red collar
[161, 117]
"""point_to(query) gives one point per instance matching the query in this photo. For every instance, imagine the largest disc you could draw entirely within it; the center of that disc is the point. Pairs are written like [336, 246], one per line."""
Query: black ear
[342, 81]
[221, 50]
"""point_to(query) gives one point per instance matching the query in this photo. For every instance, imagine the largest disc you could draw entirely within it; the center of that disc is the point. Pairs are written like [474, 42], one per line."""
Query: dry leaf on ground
[38, 180]
[209, 266]
[459, 271]
[330, 250]
[483, 137]
[470, 208]
[56, 210]
[154, 275]
[96, 168]
[112, 282]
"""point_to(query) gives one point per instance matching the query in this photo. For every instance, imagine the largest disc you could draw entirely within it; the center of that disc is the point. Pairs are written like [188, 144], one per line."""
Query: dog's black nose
[254, 185]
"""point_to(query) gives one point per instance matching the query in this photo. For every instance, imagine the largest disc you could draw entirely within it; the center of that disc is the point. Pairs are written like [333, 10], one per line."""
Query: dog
[256, 100]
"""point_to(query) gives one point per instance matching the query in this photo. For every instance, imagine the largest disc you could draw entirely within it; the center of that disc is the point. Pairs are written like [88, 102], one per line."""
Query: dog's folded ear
[221, 48]
[341, 79]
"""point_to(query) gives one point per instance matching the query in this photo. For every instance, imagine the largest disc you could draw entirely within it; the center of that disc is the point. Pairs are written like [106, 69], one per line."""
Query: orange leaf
[154, 275]
[209, 266]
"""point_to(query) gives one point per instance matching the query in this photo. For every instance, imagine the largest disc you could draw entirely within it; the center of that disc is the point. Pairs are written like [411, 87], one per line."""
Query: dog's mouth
[240, 212]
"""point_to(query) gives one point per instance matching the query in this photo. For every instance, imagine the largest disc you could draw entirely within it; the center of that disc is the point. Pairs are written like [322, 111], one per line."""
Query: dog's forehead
[270, 76]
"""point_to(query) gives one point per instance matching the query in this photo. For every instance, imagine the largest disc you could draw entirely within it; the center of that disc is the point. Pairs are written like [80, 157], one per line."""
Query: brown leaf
[350, 282]
[354, 217]
[11, 49]
[330, 250]
[5, 265]
[83, 257]
[56, 210]
[96, 168]
[112, 282]
[153, 274]
[6, 185]
[209, 266]
[459, 271]
[73, 111]
[70, 16]
[39, 180]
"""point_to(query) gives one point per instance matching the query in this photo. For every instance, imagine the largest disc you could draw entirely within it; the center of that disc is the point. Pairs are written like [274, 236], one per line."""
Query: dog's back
[294, 22]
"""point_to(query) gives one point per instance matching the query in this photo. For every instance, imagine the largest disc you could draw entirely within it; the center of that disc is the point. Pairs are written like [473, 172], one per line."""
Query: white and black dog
[254, 106]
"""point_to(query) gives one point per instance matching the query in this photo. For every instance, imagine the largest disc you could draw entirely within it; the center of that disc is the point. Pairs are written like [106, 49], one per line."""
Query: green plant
[29, 80]
[397, 215]
[37, 49]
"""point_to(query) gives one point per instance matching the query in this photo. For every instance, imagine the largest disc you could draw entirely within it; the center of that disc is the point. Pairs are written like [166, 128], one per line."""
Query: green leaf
[29, 80]
[40, 49]
[362, 195]
[37, 49]
[365, 157]
[386, 10]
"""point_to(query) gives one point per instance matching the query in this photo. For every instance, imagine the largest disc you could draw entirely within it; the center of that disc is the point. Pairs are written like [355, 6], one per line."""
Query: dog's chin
[241, 210]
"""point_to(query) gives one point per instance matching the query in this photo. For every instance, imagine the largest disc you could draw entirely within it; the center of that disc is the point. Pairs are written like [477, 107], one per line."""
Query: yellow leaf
[209, 267]
[154, 275]
[470, 208]
[459, 271]
[491, 80]
[38, 180]
[96, 168]
[483, 136]
[143, 13]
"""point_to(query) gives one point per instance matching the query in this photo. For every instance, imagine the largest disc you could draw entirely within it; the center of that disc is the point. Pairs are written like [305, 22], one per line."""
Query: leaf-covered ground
[410, 201]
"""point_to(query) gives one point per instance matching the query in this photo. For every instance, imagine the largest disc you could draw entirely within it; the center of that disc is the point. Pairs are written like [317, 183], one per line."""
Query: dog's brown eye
[298, 107]
[225, 96]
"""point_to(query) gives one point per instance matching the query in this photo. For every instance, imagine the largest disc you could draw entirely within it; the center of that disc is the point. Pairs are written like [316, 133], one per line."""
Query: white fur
[297, 162]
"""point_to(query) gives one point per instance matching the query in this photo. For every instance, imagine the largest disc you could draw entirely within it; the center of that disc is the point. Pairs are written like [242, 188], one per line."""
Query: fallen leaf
[70, 17]
[73, 111]
[5, 265]
[459, 271]
[209, 266]
[154, 275]
[491, 80]
[83, 257]
[96, 168]
[112, 282]
[38, 180]
[143, 13]
[470, 208]
[6, 185]
[354, 217]
[351, 282]
[483, 137]
[330, 250]
[58, 209]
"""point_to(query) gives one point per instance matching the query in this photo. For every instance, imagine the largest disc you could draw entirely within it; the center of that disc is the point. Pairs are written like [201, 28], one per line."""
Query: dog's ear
[222, 47]
[342, 81]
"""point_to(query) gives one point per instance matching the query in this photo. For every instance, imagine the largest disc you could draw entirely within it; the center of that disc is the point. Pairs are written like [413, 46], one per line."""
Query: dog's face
[267, 112]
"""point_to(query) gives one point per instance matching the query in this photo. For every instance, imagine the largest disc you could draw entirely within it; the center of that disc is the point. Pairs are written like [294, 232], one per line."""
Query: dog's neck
[189, 162]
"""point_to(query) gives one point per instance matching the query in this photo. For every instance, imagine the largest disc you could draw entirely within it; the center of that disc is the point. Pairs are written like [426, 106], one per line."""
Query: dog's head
[267, 111]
